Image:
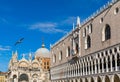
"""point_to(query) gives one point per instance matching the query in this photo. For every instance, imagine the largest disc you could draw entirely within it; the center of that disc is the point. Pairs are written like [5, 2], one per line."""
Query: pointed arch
[86, 80]
[106, 32]
[68, 51]
[99, 79]
[107, 79]
[92, 80]
[87, 42]
[116, 78]
[54, 58]
[77, 48]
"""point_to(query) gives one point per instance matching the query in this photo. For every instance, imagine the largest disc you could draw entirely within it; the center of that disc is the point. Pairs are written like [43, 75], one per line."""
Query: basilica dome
[42, 52]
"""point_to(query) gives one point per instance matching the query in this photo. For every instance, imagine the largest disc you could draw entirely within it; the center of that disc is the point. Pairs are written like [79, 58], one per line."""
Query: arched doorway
[14, 78]
[99, 79]
[107, 79]
[116, 78]
[23, 78]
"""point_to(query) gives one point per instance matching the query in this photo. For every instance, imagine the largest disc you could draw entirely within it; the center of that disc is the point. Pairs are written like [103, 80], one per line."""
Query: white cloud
[69, 20]
[5, 48]
[51, 27]
[47, 28]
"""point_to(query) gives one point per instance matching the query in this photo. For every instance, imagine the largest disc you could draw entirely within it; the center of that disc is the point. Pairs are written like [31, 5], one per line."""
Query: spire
[16, 53]
[14, 56]
[78, 21]
[30, 56]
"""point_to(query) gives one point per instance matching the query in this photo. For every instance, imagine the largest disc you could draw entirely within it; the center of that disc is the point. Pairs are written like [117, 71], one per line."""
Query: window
[101, 20]
[116, 10]
[84, 32]
[90, 28]
[47, 67]
[106, 33]
[77, 48]
[60, 55]
[44, 63]
[87, 42]
[54, 58]
[68, 51]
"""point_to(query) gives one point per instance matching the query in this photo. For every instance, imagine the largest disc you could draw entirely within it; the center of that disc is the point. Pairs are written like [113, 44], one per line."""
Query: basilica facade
[91, 51]
[35, 69]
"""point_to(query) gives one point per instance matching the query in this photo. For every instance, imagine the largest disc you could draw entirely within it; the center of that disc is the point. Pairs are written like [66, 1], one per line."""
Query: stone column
[107, 64]
[83, 69]
[112, 78]
[111, 63]
[89, 67]
[103, 79]
[83, 79]
[95, 66]
[86, 68]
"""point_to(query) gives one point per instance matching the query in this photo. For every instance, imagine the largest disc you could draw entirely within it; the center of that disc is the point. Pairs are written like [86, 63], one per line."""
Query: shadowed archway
[92, 80]
[23, 78]
[107, 79]
[116, 78]
[99, 79]
[86, 80]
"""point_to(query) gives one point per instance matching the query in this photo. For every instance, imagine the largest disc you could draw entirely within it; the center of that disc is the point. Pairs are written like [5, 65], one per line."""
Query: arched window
[68, 51]
[84, 32]
[106, 33]
[60, 55]
[54, 58]
[77, 48]
[88, 42]
[90, 28]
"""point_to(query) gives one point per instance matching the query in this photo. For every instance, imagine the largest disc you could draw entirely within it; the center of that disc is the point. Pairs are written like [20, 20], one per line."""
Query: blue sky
[37, 19]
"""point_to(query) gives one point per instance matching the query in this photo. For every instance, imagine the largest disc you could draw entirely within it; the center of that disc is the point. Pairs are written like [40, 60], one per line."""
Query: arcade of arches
[103, 66]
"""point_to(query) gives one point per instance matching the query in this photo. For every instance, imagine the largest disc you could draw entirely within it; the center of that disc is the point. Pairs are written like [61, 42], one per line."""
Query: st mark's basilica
[35, 69]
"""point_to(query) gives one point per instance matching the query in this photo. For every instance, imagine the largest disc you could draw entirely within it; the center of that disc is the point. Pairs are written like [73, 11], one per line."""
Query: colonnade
[103, 62]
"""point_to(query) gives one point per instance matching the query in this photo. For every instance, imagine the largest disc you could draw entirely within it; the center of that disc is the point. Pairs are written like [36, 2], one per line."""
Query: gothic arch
[107, 79]
[86, 80]
[99, 79]
[81, 80]
[54, 58]
[116, 78]
[92, 80]
[106, 32]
